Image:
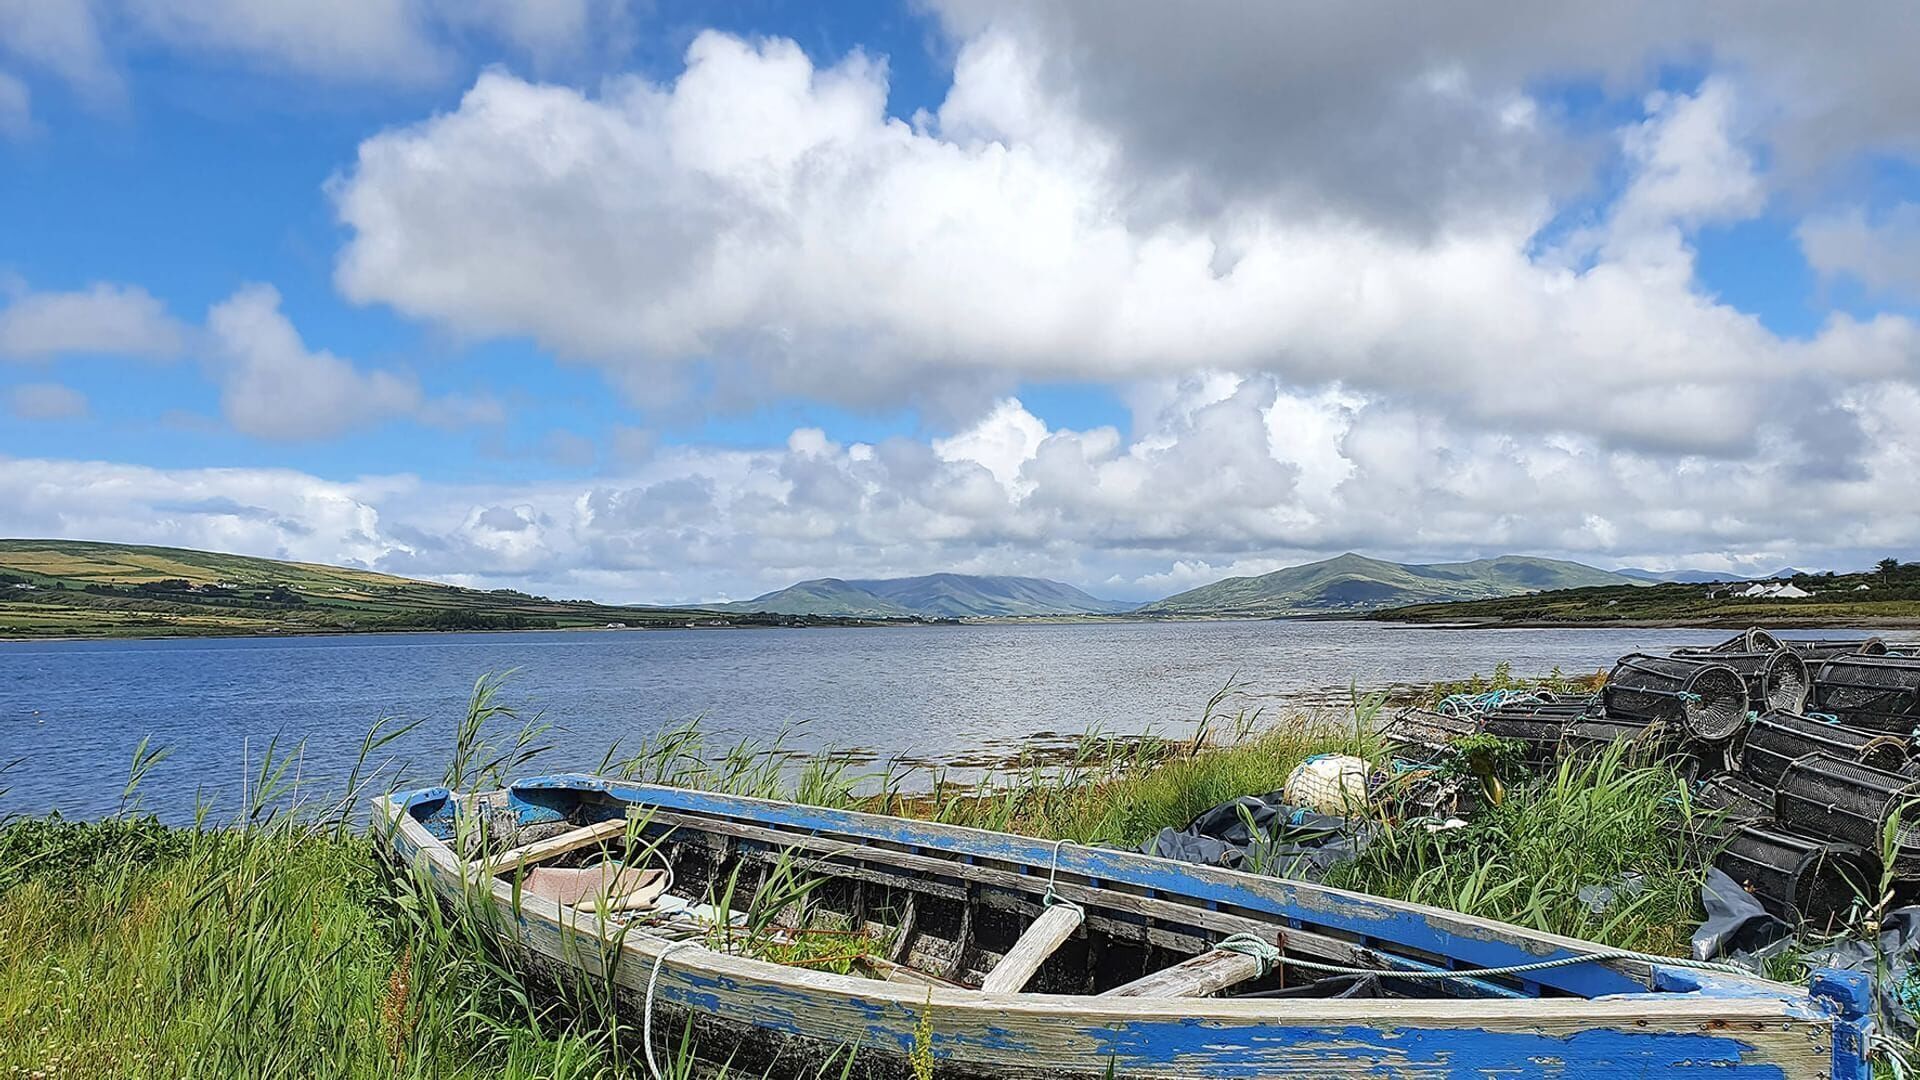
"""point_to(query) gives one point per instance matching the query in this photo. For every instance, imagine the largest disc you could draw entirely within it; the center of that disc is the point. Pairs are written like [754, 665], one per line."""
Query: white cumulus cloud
[107, 319]
[764, 219]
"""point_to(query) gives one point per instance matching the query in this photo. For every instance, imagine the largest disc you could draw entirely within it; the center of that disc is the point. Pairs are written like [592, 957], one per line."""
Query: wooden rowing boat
[1006, 956]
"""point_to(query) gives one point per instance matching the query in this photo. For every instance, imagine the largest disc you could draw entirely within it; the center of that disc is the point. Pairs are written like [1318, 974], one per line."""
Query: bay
[71, 712]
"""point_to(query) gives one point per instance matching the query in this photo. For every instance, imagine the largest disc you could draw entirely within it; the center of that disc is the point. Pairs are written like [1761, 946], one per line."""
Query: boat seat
[625, 888]
[1042, 937]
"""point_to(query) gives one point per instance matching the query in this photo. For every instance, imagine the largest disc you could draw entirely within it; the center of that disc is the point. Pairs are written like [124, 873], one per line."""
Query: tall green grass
[275, 943]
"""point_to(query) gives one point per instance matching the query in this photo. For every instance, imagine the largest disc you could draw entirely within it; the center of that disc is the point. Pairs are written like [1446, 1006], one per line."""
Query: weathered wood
[551, 847]
[1202, 976]
[900, 973]
[1045, 934]
[1464, 939]
[1737, 1026]
[838, 853]
[902, 938]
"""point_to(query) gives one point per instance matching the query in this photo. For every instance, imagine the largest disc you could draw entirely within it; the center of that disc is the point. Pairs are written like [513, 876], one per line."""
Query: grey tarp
[1263, 833]
[1739, 931]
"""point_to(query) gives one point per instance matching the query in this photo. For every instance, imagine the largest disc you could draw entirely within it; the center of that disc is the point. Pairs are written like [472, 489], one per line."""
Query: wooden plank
[901, 973]
[1043, 935]
[1305, 942]
[541, 850]
[1203, 976]
[905, 933]
[1424, 929]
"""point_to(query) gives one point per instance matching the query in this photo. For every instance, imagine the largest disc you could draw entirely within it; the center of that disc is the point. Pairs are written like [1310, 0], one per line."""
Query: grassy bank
[1889, 598]
[283, 947]
[75, 588]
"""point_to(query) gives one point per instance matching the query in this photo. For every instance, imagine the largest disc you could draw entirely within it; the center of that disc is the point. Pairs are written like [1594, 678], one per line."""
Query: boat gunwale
[1714, 999]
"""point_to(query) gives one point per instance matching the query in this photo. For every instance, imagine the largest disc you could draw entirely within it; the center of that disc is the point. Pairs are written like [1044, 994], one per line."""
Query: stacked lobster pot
[1540, 727]
[1817, 803]
[1536, 722]
[1777, 679]
[1817, 650]
[1797, 748]
[1667, 706]
[1875, 693]
[1797, 878]
[1802, 752]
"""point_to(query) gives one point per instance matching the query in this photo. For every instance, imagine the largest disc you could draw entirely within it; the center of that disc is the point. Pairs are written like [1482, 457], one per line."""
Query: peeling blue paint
[1350, 914]
[1231, 1047]
[1252, 1051]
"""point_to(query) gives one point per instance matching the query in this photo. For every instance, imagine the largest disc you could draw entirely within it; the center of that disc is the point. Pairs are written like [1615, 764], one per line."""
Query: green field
[76, 588]
[1890, 599]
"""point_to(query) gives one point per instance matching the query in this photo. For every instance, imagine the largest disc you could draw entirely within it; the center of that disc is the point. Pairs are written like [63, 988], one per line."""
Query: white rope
[1053, 870]
[646, 1012]
[1252, 945]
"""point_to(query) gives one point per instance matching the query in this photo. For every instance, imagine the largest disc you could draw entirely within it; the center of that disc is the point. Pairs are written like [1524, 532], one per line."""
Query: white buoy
[1330, 784]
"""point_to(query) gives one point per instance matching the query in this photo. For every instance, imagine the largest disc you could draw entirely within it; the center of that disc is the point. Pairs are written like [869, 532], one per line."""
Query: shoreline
[828, 622]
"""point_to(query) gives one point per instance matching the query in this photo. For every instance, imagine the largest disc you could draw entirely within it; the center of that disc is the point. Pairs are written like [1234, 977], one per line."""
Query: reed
[272, 942]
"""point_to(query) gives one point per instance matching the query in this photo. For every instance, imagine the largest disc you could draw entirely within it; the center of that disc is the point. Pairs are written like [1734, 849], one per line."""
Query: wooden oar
[1200, 976]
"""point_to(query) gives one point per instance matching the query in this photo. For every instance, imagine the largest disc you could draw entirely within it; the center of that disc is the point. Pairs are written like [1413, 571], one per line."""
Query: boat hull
[791, 1020]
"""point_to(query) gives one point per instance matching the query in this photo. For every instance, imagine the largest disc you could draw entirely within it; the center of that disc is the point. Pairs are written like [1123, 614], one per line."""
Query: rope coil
[1252, 945]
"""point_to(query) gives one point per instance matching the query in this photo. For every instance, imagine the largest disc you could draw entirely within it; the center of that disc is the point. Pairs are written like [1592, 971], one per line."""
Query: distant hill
[1356, 583]
[1686, 577]
[929, 596]
[68, 588]
[1866, 599]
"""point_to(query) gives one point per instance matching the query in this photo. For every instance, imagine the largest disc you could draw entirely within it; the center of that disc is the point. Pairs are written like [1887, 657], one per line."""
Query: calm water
[74, 710]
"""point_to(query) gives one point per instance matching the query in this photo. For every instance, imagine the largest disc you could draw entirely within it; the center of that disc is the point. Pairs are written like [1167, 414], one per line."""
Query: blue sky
[673, 301]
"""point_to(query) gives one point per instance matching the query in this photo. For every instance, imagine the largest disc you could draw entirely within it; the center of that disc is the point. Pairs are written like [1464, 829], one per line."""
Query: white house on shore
[1776, 591]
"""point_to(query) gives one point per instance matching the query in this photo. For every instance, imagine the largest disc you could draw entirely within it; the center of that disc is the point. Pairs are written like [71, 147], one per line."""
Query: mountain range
[1685, 577]
[949, 596]
[1353, 582]
[71, 586]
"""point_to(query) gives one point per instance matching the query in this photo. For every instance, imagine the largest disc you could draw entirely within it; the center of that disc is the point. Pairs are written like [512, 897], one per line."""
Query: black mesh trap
[1797, 878]
[1425, 729]
[1646, 741]
[1778, 739]
[1831, 797]
[1828, 648]
[1735, 799]
[1752, 639]
[1703, 698]
[1777, 680]
[1538, 728]
[1880, 693]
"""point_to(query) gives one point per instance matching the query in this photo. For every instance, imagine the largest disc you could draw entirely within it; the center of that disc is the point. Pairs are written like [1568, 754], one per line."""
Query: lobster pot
[1777, 680]
[1826, 796]
[1537, 728]
[1879, 693]
[1590, 736]
[1752, 639]
[1797, 878]
[1702, 698]
[1735, 799]
[1828, 648]
[1424, 729]
[1778, 739]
